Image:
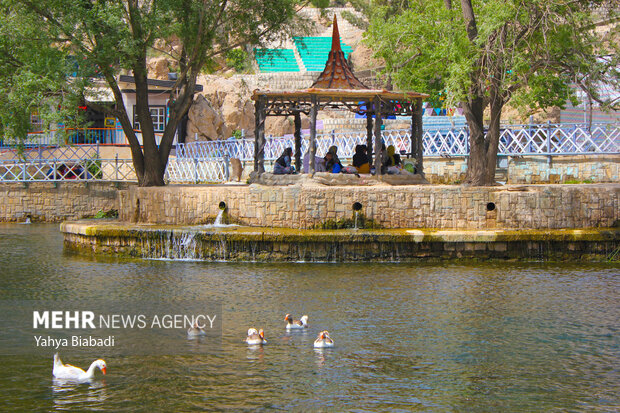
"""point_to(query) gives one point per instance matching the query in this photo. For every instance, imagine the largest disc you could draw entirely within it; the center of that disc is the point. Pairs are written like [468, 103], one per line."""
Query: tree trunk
[179, 107]
[152, 168]
[470, 20]
[497, 103]
[477, 161]
[480, 161]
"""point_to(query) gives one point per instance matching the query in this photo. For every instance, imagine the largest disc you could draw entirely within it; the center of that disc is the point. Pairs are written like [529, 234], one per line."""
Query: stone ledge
[269, 244]
[329, 179]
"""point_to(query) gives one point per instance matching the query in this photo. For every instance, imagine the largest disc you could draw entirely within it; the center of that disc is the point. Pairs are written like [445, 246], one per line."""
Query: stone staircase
[299, 60]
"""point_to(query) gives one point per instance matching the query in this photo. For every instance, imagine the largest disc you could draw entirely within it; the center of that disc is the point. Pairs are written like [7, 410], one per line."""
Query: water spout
[218, 219]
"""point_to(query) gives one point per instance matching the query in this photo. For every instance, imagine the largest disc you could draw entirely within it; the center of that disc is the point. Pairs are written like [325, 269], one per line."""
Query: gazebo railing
[515, 140]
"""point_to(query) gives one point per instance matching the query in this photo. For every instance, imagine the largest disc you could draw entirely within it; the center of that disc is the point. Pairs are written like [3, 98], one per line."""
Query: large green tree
[482, 54]
[107, 36]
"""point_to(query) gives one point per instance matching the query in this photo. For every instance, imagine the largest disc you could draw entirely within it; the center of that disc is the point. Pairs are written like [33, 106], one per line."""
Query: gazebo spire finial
[337, 73]
[335, 35]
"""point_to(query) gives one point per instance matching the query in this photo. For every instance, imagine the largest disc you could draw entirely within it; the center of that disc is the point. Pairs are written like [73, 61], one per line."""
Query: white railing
[185, 170]
[53, 170]
[56, 152]
[93, 169]
[81, 137]
[515, 140]
[208, 162]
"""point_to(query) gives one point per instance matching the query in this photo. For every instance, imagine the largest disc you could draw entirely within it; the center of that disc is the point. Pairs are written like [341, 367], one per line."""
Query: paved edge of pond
[238, 243]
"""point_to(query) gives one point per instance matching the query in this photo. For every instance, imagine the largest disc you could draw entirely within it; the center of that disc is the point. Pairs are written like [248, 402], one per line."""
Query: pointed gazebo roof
[337, 73]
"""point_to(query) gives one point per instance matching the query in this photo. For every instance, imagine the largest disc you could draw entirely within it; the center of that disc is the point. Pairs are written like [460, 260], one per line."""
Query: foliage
[358, 22]
[237, 59]
[107, 37]
[34, 79]
[111, 213]
[362, 222]
[577, 181]
[535, 48]
[484, 53]
[93, 166]
[237, 134]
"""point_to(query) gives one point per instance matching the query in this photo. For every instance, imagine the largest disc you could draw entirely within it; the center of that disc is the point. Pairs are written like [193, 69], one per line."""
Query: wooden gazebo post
[417, 146]
[313, 112]
[369, 132]
[259, 135]
[378, 123]
[298, 165]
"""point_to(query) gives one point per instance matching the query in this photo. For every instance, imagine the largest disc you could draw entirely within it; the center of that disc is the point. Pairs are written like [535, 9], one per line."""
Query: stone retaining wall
[420, 206]
[560, 169]
[49, 201]
[532, 169]
[309, 205]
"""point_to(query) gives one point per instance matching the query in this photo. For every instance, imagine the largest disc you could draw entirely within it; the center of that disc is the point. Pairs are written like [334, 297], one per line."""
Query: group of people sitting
[391, 162]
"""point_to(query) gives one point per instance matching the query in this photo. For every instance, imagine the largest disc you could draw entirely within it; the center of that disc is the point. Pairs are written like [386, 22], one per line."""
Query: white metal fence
[86, 136]
[89, 169]
[208, 162]
[92, 169]
[184, 170]
[546, 139]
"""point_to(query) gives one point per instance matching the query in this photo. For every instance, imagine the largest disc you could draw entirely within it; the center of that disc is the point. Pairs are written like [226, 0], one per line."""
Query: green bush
[237, 59]
[363, 222]
[112, 213]
[93, 166]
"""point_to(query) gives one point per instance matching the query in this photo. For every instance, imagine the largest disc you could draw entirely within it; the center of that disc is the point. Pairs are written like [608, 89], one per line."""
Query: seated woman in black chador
[360, 159]
[283, 163]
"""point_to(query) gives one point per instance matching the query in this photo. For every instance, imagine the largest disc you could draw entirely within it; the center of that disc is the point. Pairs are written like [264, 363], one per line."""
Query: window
[158, 114]
[36, 123]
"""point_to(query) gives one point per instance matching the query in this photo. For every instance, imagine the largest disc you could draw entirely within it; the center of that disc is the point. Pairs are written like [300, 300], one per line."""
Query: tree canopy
[43, 41]
[482, 54]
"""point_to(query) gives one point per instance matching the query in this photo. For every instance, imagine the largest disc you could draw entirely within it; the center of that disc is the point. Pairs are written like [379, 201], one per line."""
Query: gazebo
[337, 87]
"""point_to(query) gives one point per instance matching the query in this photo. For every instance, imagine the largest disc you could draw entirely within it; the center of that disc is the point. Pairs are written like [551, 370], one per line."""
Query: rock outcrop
[223, 107]
[205, 121]
[226, 106]
[158, 68]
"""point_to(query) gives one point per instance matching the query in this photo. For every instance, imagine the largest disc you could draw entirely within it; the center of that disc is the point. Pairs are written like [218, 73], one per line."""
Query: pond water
[429, 337]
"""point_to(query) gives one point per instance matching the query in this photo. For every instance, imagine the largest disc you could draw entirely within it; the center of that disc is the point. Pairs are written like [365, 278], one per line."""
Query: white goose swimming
[296, 324]
[255, 338]
[72, 373]
[195, 331]
[323, 340]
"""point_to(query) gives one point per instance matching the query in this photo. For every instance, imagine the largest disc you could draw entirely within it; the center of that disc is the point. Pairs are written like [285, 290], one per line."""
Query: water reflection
[69, 395]
[255, 353]
[321, 356]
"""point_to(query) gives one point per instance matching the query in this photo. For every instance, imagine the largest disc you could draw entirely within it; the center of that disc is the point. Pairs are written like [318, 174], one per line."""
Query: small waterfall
[223, 249]
[357, 213]
[301, 250]
[171, 246]
[253, 245]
